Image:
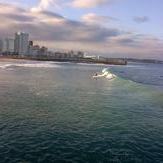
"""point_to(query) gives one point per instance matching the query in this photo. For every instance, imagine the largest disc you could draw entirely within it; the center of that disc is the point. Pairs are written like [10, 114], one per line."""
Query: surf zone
[104, 74]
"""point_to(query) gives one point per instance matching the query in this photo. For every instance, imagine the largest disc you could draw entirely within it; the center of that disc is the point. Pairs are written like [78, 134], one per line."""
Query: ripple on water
[60, 118]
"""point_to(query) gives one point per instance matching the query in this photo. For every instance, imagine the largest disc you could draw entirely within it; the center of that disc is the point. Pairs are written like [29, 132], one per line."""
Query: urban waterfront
[20, 47]
[56, 112]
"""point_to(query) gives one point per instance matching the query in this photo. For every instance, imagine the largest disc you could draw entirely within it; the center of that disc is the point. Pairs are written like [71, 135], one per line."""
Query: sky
[111, 28]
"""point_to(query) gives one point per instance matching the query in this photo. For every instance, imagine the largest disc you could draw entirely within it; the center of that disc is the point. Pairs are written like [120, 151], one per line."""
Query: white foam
[105, 74]
[37, 65]
[4, 66]
[105, 70]
[29, 65]
[110, 76]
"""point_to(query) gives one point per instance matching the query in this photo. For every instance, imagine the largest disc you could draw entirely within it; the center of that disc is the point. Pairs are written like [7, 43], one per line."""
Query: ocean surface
[56, 112]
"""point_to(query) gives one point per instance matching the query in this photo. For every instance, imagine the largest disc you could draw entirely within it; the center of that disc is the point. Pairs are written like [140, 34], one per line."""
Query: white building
[21, 43]
[90, 56]
[10, 45]
[7, 45]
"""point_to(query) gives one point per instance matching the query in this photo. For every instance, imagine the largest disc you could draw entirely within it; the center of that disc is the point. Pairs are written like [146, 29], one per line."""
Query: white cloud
[56, 31]
[44, 4]
[88, 3]
[92, 18]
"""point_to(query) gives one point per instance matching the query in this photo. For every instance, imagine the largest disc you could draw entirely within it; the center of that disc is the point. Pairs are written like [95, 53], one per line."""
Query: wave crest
[29, 65]
[105, 74]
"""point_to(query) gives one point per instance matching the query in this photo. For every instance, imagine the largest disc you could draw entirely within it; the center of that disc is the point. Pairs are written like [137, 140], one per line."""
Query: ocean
[56, 112]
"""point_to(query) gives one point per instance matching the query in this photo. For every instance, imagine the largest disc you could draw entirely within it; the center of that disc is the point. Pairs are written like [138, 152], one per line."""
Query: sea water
[56, 112]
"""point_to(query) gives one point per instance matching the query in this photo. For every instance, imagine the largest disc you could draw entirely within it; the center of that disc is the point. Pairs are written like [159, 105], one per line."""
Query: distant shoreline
[73, 60]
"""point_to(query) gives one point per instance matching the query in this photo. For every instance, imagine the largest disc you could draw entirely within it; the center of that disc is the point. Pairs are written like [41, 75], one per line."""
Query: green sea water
[56, 112]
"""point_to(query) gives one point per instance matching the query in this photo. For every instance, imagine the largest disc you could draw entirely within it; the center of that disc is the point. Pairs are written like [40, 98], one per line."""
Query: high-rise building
[1, 45]
[10, 45]
[7, 45]
[21, 43]
[4, 45]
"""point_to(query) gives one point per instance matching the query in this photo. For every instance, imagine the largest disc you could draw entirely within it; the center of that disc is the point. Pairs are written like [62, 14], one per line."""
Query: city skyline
[113, 28]
[20, 44]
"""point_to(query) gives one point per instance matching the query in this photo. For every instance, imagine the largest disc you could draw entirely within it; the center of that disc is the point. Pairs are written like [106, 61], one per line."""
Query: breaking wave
[29, 65]
[105, 74]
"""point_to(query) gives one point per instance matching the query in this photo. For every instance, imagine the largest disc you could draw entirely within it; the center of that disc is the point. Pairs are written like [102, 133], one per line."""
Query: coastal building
[90, 56]
[10, 45]
[60, 55]
[51, 54]
[80, 54]
[4, 46]
[43, 51]
[73, 54]
[1, 46]
[35, 50]
[21, 43]
[70, 54]
[100, 58]
[30, 48]
[7, 46]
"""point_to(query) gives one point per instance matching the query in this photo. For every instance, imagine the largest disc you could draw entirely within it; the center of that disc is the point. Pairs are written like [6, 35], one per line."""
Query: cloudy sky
[113, 28]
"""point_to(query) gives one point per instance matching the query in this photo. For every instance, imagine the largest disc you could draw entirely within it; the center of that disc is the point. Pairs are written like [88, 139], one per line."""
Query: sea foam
[29, 65]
